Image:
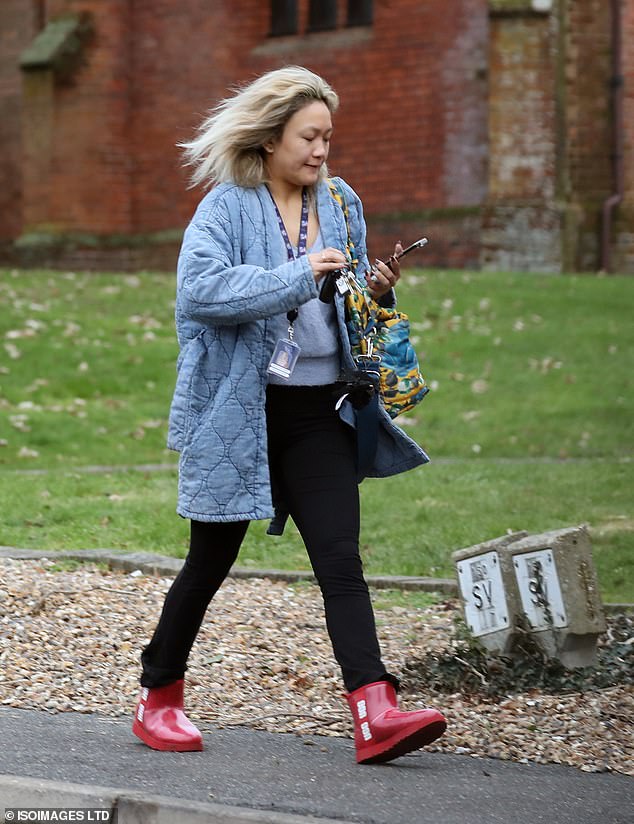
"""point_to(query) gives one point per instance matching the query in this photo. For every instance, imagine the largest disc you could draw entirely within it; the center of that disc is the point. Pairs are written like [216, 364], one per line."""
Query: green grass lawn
[529, 423]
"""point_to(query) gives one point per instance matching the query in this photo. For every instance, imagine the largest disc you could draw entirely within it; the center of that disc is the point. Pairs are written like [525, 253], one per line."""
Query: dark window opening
[322, 15]
[283, 17]
[359, 12]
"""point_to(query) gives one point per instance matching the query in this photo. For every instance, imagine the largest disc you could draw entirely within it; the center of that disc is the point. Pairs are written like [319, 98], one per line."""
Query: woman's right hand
[326, 261]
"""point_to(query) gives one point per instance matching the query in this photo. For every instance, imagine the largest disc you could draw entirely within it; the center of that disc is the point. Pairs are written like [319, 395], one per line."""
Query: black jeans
[312, 462]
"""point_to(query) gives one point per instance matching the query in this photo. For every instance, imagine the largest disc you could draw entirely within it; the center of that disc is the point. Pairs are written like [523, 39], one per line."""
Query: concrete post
[489, 602]
[559, 593]
[545, 583]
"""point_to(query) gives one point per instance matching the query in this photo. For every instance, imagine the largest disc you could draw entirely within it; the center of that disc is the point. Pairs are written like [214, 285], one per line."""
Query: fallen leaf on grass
[12, 351]
[153, 424]
[479, 387]
[145, 321]
[38, 383]
[20, 422]
[71, 329]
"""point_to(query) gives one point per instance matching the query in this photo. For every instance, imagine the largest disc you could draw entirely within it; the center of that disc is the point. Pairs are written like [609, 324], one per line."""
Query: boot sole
[163, 746]
[400, 745]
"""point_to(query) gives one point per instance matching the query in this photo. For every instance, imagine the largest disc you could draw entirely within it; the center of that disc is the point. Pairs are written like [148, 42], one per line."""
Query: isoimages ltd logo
[65, 814]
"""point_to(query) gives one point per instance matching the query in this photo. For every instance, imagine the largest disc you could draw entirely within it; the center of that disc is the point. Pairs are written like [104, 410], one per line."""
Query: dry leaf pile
[70, 641]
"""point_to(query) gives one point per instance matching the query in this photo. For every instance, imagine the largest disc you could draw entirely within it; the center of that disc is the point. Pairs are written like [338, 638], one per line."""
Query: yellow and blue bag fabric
[379, 337]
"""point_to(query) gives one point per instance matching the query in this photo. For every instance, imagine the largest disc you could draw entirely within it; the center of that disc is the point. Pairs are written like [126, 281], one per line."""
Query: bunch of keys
[340, 279]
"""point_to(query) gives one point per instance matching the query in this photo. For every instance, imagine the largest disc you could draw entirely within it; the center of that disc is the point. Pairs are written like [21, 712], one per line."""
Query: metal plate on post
[482, 589]
[538, 584]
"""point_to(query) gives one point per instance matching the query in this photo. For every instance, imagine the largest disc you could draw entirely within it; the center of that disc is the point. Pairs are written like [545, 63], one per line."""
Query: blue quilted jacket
[233, 276]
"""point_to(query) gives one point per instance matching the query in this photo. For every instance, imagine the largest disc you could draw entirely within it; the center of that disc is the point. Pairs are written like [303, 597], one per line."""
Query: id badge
[284, 358]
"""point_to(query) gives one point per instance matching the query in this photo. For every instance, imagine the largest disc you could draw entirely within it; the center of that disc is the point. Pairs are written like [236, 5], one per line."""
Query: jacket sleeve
[212, 288]
[358, 232]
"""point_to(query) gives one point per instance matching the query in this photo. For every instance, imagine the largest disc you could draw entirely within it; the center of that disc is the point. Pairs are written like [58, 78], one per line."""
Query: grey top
[316, 333]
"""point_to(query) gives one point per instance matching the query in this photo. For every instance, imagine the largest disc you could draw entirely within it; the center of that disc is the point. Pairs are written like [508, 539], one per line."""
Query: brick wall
[550, 135]
[86, 186]
[17, 27]
[491, 135]
[587, 125]
[521, 223]
[413, 138]
[623, 251]
[410, 134]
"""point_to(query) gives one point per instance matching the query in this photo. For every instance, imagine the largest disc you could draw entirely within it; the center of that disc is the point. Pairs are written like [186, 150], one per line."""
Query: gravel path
[71, 641]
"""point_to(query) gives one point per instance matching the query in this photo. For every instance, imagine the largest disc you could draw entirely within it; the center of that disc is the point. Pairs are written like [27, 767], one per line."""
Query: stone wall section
[623, 250]
[99, 151]
[551, 134]
[17, 26]
[521, 223]
[487, 128]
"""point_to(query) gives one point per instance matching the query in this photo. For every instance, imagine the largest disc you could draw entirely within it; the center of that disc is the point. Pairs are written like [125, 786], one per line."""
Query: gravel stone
[71, 640]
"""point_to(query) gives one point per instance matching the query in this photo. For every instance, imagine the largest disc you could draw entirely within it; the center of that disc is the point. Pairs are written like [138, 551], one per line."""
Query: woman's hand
[381, 278]
[328, 260]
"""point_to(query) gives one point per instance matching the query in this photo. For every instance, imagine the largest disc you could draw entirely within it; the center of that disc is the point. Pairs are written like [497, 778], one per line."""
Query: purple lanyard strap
[301, 242]
[303, 228]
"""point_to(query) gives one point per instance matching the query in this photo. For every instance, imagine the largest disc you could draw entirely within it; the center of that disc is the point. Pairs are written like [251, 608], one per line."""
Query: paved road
[308, 776]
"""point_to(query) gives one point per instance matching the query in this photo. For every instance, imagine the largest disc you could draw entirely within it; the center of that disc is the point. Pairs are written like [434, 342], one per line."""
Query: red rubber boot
[382, 732]
[159, 720]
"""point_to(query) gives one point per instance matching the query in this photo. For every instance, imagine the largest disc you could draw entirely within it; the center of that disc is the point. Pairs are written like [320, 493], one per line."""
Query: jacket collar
[331, 220]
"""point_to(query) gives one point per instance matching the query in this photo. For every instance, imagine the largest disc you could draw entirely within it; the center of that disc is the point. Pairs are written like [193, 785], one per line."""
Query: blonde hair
[229, 142]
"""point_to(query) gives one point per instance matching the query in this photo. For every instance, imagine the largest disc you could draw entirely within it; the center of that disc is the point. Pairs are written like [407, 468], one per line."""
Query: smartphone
[417, 245]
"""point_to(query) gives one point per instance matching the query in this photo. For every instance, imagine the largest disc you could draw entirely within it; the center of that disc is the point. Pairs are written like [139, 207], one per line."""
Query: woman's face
[297, 156]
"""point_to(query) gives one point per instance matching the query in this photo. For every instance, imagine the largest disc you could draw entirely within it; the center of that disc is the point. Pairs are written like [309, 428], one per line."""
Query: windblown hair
[229, 143]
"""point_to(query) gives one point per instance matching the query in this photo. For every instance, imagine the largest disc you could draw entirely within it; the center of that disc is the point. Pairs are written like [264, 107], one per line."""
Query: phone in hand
[327, 291]
[417, 245]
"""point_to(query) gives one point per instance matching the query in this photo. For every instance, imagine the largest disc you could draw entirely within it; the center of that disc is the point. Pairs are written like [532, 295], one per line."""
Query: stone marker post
[544, 583]
[490, 604]
[559, 593]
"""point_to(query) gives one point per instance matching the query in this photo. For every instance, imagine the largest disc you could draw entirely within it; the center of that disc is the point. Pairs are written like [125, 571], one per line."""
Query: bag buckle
[369, 343]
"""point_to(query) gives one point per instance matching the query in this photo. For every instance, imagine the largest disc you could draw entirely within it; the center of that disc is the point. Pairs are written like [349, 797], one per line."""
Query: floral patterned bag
[379, 338]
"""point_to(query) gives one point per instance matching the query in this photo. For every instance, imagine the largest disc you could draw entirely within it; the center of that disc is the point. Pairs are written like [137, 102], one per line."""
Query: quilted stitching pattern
[233, 274]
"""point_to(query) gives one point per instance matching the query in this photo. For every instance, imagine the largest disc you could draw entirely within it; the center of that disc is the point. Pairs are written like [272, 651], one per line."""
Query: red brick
[418, 128]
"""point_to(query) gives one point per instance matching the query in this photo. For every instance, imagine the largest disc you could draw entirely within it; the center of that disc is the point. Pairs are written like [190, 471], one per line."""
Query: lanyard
[301, 245]
[303, 228]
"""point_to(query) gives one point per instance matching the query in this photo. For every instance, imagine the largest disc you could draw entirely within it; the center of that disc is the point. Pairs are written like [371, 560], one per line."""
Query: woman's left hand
[381, 278]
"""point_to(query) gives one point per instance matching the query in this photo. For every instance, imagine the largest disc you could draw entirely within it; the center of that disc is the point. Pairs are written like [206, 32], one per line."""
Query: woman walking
[255, 415]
